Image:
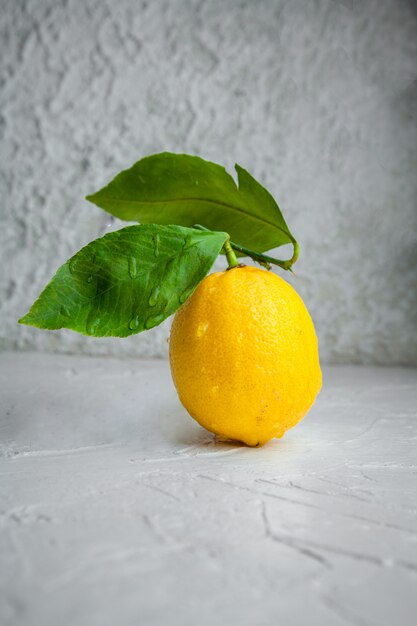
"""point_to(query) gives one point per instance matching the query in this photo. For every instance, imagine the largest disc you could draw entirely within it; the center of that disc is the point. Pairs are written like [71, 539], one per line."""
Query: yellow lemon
[244, 355]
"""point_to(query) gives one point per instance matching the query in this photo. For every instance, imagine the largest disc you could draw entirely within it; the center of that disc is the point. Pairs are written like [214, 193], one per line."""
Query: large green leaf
[181, 189]
[127, 281]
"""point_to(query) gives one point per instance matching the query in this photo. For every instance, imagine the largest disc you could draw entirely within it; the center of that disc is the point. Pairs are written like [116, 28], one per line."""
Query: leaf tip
[30, 319]
[239, 169]
[25, 320]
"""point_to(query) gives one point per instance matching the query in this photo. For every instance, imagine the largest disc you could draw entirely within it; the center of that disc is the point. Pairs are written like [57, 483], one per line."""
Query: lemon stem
[227, 249]
[262, 259]
[230, 255]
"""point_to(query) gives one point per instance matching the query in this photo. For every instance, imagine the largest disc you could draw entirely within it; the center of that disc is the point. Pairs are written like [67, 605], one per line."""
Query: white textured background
[317, 99]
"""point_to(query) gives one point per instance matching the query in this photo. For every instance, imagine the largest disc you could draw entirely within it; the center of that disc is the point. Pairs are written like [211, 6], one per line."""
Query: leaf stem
[265, 260]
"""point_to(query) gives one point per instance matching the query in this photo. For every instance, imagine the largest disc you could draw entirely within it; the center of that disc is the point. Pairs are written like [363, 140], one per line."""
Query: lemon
[244, 355]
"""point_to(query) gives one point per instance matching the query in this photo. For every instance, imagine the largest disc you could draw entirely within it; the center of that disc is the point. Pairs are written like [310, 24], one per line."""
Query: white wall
[316, 99]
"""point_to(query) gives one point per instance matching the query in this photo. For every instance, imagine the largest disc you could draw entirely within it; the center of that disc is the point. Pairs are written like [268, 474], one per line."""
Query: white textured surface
[317, 99]
[117, 508]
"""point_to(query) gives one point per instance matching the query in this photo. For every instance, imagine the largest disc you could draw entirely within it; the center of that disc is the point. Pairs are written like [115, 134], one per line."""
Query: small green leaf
[186, 190]
[127, 281]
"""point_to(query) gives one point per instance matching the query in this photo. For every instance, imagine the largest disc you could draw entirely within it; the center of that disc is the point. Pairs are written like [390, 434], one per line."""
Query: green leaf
[127, 281]
[186, 190]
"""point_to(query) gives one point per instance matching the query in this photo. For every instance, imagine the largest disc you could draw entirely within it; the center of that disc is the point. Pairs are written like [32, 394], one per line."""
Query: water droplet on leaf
[156, 244]
[188, 242]
[134, 323]
[169, 266]
[92, 325]
[132, 267]
[185, 295]
[154, 320]
[154, 297]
